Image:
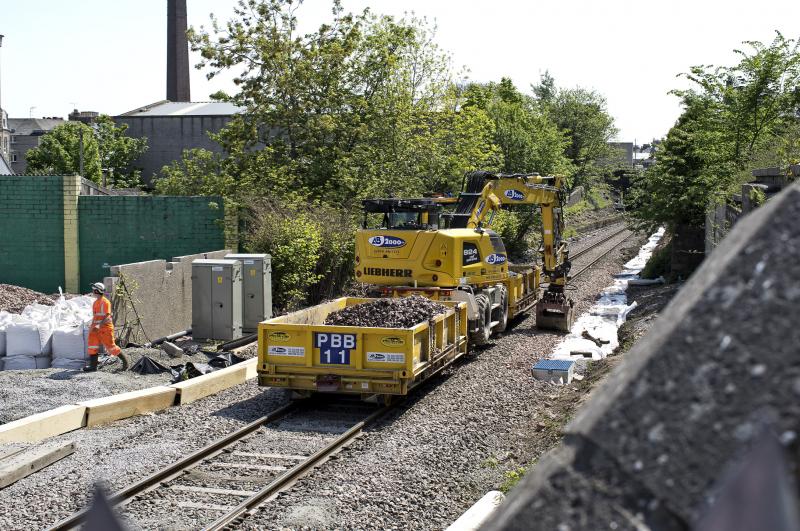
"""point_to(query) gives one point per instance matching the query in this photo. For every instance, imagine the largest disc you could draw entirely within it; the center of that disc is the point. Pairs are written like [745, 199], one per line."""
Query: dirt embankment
[651, 301]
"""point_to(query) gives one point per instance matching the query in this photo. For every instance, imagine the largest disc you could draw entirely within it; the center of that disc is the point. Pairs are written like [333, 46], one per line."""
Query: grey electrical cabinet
[257, 288]
[217, 299]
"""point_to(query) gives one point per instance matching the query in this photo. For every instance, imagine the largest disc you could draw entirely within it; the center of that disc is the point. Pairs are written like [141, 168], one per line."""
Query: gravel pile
[456, 438]
[13, 299]
[404, 312]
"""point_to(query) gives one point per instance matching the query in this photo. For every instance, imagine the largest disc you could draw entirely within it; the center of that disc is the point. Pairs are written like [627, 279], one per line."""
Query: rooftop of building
[27, 126]
[185, 108]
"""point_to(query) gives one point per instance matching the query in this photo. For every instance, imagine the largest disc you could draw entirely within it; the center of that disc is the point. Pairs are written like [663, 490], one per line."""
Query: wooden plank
[270, 456]
[248, 466]
[32, 460]
[43, 425]
[209, 506]
[212, 383]
[122, 406]
[251, 368]
[209, 490]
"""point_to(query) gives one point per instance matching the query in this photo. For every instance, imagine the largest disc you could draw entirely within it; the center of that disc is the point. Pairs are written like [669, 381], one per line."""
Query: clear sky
[110, 56]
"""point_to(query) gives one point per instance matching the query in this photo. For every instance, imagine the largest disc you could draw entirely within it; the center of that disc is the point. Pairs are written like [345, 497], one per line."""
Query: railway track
[602, 255]
[575, 255]
[225, 482]
[222, 484]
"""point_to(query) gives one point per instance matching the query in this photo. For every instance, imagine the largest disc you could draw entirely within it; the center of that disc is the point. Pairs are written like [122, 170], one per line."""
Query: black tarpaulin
[147, 365]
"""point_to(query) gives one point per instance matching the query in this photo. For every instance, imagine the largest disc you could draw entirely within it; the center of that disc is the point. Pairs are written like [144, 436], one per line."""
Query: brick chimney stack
[177, 52]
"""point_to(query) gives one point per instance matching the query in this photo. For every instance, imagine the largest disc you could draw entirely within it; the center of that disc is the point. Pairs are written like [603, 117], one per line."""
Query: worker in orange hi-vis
[102, 328]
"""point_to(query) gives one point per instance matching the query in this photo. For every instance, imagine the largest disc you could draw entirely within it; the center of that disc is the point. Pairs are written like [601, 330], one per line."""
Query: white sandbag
[46, 338]
[70, 342]
[19, 363]
[68, 364]
[26, 338]
[5, 320]
[42, 361]
[22, 338]
[37, 313]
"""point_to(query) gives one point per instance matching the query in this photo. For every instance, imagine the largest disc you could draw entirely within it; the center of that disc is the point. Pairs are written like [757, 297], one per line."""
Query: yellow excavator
[418, 246]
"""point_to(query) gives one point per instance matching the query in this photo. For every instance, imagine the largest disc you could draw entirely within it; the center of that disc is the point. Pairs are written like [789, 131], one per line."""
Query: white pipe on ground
[479, 513]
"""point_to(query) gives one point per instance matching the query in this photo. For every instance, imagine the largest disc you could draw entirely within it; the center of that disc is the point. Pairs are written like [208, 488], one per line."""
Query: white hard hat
[98, 286]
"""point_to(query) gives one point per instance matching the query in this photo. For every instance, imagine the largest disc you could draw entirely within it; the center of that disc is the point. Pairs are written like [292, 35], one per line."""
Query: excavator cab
[402, 214]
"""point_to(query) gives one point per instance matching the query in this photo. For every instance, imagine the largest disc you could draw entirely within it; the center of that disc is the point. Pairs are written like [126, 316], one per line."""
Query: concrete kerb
[103, 410]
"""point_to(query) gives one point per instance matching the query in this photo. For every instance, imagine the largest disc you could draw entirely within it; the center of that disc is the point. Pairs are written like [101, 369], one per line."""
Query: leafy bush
[577, 209]
[597, 197]
[512, 478]
[311, 248]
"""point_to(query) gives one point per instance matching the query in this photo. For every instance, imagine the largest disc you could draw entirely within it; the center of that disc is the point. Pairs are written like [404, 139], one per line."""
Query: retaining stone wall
[32, 231]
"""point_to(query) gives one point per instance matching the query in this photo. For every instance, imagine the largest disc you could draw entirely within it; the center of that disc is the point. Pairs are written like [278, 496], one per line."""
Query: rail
[596, 244]
[280, 483]
[601, 256]
[288, 478]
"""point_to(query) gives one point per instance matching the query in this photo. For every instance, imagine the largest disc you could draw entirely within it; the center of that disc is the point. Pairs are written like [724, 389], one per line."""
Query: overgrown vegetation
[734, 118]
[659, 263]
[512, 478]
[365, 106]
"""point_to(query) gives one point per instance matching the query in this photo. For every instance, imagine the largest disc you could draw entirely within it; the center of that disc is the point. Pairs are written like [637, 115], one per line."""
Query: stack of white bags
[44, 336]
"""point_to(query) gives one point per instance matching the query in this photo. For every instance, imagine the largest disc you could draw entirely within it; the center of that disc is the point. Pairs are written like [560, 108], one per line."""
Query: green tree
[528, 139]
[199, 172]
[582, 116]
[355, 108]
[733, 117]
[106, 148]
[546, 90]
[59, 152]
[117, 152]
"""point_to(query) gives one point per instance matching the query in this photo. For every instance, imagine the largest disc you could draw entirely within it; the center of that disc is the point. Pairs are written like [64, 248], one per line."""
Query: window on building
[13, 157]
[13, 139]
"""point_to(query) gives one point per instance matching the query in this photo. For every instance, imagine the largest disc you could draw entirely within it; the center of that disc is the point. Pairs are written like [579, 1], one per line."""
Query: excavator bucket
[555, 314]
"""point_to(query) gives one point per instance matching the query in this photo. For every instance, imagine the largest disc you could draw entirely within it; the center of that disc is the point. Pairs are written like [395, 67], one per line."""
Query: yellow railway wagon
[297, 351]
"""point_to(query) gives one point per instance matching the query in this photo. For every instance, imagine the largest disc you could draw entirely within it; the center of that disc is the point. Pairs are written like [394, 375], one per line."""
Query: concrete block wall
[125, 229]
[576, 196]
[160, 291]
[52, 234]
[32, 231]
